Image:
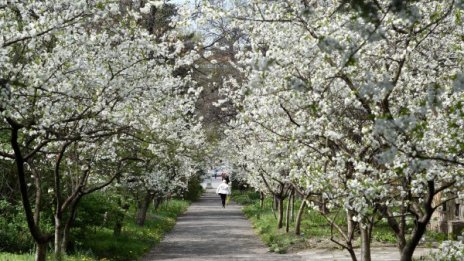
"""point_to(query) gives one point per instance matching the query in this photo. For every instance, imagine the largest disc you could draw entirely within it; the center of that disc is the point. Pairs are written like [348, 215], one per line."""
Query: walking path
[209, 232]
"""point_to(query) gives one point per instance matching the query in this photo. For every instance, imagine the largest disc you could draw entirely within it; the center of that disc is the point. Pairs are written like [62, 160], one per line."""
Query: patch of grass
[30, 257]
[16, 257]
[134, 240]
[265, 223]
[247, 198]
[433, 236]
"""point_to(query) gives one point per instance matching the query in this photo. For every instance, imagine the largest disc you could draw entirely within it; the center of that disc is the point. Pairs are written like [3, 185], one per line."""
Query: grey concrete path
[209, 232]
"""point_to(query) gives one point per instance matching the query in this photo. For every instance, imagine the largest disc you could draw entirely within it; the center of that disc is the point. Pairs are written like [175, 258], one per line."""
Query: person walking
[223, 190]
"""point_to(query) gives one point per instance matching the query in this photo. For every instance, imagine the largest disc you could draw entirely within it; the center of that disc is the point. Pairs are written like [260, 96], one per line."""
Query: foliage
[194, 188]
[14, 233]
[133, 243]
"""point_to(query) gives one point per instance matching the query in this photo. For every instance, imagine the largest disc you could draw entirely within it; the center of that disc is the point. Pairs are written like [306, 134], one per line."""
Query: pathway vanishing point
[209, 232]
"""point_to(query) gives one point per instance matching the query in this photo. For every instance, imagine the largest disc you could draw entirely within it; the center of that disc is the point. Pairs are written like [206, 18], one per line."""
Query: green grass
[30, 257]
[133, 243]
[16, 257]
[265, 223]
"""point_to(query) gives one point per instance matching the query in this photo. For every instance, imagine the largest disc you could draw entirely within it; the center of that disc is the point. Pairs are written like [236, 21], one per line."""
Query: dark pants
[223, 199]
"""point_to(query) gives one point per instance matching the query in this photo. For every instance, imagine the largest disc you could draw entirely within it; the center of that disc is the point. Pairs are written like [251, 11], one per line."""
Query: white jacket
[223, 188]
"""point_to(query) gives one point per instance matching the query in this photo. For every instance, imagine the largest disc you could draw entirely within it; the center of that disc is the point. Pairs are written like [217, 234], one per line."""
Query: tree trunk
[365, 243]
[421, 224]
[261, 200]
[292, 206]
[41, 252]
[323, 205]
[419, 231]
[272, 208]
[38, 195]
[40, 238]
[280, 209]
[274, 202]
[352, 253]
[69, 223]
[158, 202]
[65, 239]
[117, 229]
[59, 204]
[401, 236]
[287, 216]
[58, 238]
[299, 216]
[411, 245]
[142, 209]
[350, 224]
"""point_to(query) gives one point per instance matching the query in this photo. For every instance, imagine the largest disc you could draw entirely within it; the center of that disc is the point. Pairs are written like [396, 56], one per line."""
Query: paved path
[209, 232]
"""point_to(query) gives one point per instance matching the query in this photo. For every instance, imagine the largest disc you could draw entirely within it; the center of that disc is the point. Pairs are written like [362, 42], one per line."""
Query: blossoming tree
[365, 99]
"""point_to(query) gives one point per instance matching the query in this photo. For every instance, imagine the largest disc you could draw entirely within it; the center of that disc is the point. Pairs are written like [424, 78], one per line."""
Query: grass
[265, 224]
[314, 226]
[30, 257]
[132, 244]
[134, 241]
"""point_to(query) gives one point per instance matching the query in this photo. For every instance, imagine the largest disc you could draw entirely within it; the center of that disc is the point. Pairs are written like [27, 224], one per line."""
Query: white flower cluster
[449, 250]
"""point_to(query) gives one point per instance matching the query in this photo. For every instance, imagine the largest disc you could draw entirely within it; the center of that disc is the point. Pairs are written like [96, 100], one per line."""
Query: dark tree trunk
[421, 224]
[158, 202]
[41, 252]
[40, 238]
[292, 207]
[280, 209]
[411, 245]
[69, 223]
[287, 216]
[142, 209]
[117, 229]
[401, 236]
[352, 253]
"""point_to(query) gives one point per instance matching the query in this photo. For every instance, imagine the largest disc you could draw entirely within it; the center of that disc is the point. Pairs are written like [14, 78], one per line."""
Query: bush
[194, 188]
[14, 232]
